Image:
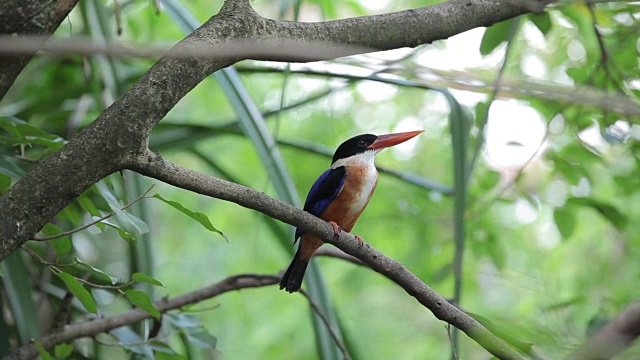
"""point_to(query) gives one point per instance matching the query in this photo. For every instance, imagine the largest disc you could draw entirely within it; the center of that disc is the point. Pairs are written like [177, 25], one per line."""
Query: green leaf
[328, 9]
[87, 204]
[10, 169]
[42, 351]
[182, 321]
[132, 341]
[565, 220]
[142, 300]
[166, 356]
[61, 245]
[97, 271]
[5, 182]
[128, 222]
[609, 212]
[9, 125]
[122, 232]
[580, 15]
[132, 222]
[24, 133]
[494, 36]
[496, 251]
[140, 277]
[542, 21]
[565, 304]
[62, 351]
[202, 338]
[572, 172]
[618, 219]
[504, 334]
[579, 75]
[18, 288]
[162, 350]
[198, 216]
[79, 291]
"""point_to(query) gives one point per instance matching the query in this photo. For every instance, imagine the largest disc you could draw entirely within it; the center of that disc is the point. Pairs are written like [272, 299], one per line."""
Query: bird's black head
[355, 145]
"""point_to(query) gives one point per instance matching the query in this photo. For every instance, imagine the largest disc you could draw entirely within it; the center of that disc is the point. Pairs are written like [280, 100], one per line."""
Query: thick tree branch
[27, 17]
[90, 328]
[153, 165]
[613, 338]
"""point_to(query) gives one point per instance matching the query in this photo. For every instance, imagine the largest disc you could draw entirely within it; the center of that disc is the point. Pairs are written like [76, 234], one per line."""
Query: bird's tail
[292, 278]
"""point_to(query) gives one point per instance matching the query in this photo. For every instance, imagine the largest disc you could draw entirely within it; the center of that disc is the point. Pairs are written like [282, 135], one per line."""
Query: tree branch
[28, 17]
[153, 165]
[90, 328]
[613, 338]
[73, 231]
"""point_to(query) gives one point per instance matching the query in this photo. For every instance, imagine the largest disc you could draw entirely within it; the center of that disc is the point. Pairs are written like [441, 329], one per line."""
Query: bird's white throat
[364, 165]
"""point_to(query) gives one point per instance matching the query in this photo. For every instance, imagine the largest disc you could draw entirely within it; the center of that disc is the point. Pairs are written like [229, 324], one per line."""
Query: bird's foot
[336, 228]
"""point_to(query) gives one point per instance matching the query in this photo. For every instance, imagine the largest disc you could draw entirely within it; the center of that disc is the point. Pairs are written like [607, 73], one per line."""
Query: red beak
[385, 141]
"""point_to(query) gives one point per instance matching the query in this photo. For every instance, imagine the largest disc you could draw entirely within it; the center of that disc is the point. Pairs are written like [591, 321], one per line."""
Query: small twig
[121, 344]
[40, 259]
[117, 10]
[25, 158]
[56, 269]
[69, 232]
[327, 324]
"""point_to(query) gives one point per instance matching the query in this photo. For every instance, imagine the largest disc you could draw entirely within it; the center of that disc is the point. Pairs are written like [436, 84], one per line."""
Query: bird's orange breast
[359, 184]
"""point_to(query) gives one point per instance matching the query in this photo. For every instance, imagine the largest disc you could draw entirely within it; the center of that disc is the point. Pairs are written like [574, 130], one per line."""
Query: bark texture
[27, 17]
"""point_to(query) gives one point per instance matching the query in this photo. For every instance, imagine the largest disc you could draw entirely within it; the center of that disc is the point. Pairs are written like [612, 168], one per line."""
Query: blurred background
[518, 201]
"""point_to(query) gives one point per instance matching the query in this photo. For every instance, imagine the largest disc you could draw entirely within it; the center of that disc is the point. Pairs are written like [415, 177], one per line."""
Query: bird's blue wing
[323, 191]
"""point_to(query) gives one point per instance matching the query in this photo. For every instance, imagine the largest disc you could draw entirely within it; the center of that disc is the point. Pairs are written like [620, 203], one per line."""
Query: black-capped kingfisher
[340, 195]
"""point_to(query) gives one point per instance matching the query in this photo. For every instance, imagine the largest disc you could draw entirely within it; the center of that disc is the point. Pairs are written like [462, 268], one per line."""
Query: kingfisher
[340, 195]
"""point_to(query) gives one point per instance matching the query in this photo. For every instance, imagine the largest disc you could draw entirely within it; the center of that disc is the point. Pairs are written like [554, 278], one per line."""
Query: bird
[339, 196]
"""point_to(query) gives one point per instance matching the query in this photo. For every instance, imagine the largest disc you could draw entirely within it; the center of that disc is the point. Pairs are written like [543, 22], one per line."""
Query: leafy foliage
[534, 187]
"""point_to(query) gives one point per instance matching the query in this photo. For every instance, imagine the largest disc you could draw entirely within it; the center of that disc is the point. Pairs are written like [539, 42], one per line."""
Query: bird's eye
[362, 143]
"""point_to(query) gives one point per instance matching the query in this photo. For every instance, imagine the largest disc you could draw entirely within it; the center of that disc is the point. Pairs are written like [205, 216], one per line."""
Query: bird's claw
[360, 241]
[336, 228]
